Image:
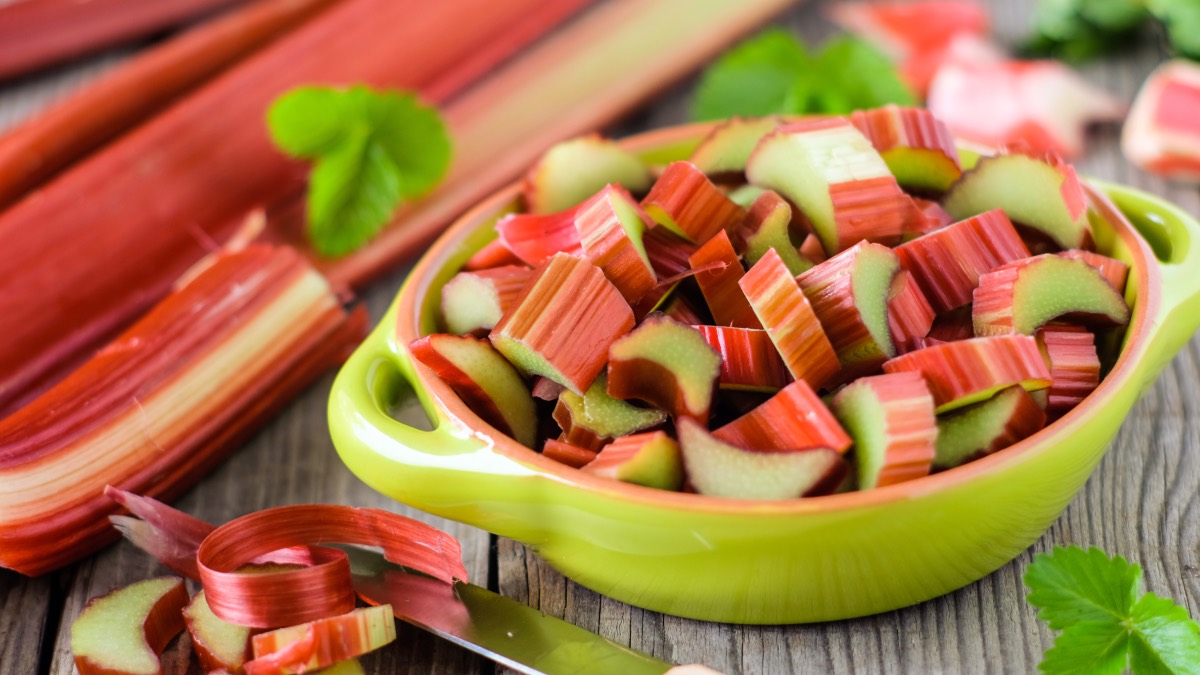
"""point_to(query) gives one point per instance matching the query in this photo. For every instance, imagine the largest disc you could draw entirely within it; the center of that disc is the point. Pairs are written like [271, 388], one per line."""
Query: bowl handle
[1174, 237]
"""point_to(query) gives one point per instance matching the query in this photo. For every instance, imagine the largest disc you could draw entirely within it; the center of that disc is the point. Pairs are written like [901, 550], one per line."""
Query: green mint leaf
[854, 75]
[1073, 585]
[1099, 647]
[755, 78]
[371, 150]
[1165, 639]
[1078, 30]
[1182, 21]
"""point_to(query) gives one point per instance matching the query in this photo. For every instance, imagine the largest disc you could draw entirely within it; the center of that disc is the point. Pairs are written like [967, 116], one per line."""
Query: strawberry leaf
[1073, 585]
[1099, 647]
[1165, 639]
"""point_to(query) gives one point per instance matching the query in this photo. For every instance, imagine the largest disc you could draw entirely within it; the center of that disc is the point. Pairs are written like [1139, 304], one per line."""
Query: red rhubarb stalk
[725, 299]
[473, 302]
[322, 642]
[685, 201]
[909, 315]
[968, 371]
[749, 359]
[1074, 367]
[611, 227]
[668, 365]
[565, 453]
[793, 418]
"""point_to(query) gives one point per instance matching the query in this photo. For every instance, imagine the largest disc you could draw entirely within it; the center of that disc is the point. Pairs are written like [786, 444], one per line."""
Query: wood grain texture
[1142, 502]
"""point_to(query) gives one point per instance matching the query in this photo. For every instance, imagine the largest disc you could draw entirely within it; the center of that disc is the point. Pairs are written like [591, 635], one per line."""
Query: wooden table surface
[1142, 501]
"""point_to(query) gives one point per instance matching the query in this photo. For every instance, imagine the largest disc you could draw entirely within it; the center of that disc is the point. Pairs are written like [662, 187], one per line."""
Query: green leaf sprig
[372, 151]
[1107, 623]
[1078, 30]
[773, 73]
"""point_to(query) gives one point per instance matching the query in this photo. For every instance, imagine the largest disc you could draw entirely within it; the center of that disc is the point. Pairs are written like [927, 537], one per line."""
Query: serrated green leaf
[414, 138]
[755, 78]
[1165, 639]
[352, 193]
[308, 121]
[855, 75]
[1087, 648]
[1073, 585]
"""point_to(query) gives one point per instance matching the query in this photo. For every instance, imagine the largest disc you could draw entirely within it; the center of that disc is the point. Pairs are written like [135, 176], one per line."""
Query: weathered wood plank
[27, 610]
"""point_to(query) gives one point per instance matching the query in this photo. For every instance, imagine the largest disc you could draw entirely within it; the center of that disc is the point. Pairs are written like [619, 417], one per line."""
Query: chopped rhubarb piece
[564, 323]
[322, 643]
[1042, 193]
[749, 360]
[473, 302]
[574, 170]
[546, 389]
[217, 643]
[946, 264]
[909, 315]
[1009, 416]
[790, 321]
[793, 418]
[1074, 368]
[965, 372]
[1114, 271]
[997, 102]
[534, 237]
[727, 147]
[927, 217]
[611, 227]
[686, 202]
[720, 286]
[126, 630]
[832, 173]
[488, 384]
[565, 453]
[651, 459]
[769, 225]
[893, 425]
[849, 293]
[668, 365]
[493, 254]
[1024, 295]
[810, 249]
[668, 252]
[591, 420]
[719, 469]
[916, 146]
[953, 325]
[1162, 134]
[681, 309]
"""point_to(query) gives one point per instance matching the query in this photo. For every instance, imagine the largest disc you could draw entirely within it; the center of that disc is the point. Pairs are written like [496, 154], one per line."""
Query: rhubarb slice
[893, 425]
[668, 365]
[564, 322]
[727, 147]
[219, 645]
[126, 630]
[534, 237]
[968, 371]
[573, 170]
[668, 252]
[828, 169]
[1024, 295]
[719, 469]
[686, 202]
[793, 418]
[493, 254]
[651, 459]
[849, 293]
[909, 315]
[790, 321]
[1043, 193]
[322, 643]
[1074, 367]
[749, 360]
[720, 286]
[1161, 134]
[947, 264]
[917, 148]
[565, 453]
[1114, 271]
[591, 420]
[473, 302]
[611, 227]
[485, 381]
[973, 432]
[769, 225]
[953, 325]
[928, 216]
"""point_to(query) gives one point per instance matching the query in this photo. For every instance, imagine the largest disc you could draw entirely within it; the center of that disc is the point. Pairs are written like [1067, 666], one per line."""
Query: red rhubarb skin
[959, 369]
[719, 286]
[493, 254]
[909, 315]
[568, 454]
[874, 210]
[623, 449]
[162, 624]
[533, 237]
[909, 424]
[608, 246]
[570, 314]
[792, 419]
[325, 642]
[1070, 354]
[749, 359]
[698, 208]
[947, 263]
[574, 434]
[668, 252]
[1177, 106]
[892, 126]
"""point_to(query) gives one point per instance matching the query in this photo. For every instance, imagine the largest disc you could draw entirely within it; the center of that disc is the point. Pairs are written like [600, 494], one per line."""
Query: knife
[499, 628]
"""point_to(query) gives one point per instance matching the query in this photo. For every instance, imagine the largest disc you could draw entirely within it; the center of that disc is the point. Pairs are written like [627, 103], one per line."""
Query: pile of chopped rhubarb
[801, 308]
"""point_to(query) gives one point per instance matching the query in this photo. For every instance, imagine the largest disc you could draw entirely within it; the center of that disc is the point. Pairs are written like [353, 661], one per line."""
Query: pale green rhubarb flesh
[668, 365]
[1042, 193]
[485, 381]
[749, 360]
[611, 228]
[790, 321]
[917, 147]
[1070, 353]
[981, 429]
[686, 202]
[769, 226]
[571, 171]
[591, 420]
[1114, 271]
[473, 302]
[719, 283]
[651, 459]
[968, 371]
[563, 323]
[795, 417]
[219, 645]
[891, 419]
[849, 294]
[126, 630]
[719, 469]
[727, 147]
[1024, 295]
[832, 173]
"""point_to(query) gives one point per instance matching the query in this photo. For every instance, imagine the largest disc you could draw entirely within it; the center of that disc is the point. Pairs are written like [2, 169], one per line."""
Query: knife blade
[487, 623]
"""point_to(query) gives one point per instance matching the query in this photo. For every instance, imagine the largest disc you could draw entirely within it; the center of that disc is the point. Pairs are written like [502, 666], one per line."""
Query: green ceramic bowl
[736, 561]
